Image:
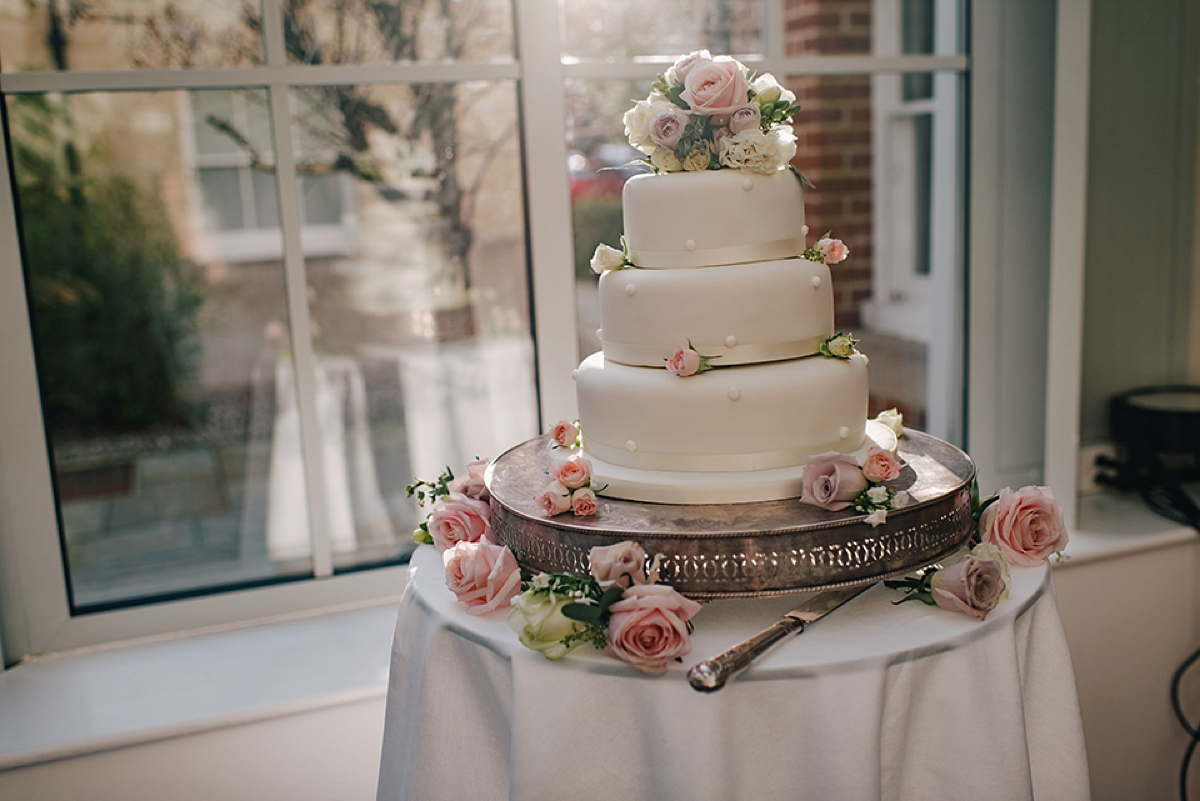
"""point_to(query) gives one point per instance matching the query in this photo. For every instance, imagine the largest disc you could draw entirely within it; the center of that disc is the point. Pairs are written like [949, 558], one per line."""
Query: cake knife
[711, 674]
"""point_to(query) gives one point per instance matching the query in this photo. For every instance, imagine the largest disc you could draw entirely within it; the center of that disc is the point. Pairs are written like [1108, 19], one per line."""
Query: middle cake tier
[742, 313]
[746, 419]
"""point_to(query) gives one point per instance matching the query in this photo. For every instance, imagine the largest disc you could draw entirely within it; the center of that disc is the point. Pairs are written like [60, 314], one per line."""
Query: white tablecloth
[875, 702]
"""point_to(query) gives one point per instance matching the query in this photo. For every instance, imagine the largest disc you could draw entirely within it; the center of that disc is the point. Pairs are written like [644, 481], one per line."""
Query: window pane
[126, 34]
[603, 29]
[166, 384]
[419, 295]
[364, 32]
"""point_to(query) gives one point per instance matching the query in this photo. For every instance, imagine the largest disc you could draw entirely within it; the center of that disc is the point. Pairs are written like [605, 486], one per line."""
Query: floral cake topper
[710, 112]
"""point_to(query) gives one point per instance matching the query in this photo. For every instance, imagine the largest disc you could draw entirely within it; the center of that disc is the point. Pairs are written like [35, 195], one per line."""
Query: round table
[876, 701]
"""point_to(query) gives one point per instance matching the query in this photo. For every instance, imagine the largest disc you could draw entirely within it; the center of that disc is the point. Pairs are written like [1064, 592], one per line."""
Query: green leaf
[584, 613]
[800, 176]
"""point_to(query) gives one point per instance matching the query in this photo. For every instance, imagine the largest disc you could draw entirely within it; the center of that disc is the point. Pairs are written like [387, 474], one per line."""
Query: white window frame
[34, 615]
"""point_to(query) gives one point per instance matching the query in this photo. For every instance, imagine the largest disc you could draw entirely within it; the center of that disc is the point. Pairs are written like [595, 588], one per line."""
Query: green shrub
[597, 220]
[114, 307]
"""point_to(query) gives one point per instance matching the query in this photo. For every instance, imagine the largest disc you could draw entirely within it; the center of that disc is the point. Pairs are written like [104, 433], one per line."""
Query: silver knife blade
[712, 674]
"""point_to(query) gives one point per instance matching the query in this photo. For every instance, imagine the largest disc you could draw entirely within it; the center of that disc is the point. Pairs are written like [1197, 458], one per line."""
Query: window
[337, 281]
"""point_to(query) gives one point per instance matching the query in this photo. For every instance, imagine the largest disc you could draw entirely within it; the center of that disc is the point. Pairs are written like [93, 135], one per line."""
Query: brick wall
[833, 130]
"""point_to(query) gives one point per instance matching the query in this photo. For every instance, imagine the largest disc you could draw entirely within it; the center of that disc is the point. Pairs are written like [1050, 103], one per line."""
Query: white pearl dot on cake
[844, 432]
[690, 244]
[630, 445]
[734, 393]
[630, 289]
[747, 184]
[574, 374]
[816, 281]
[730, 341]
[804, 230]
[599, 333]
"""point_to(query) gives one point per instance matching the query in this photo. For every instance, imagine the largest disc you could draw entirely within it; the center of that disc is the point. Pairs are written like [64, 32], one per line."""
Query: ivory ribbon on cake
[717, 462]
[653, 355]
[788, 248]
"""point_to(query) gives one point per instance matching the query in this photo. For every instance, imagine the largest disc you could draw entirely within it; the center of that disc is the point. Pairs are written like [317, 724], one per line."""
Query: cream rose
[973, 585]
[665, 160]
[684, 362]
[538, 620]
[880, 465]
[717, 87]
[832, 481]
[483, 576]
[471, 483]
[1027, 525]
[841, 346]
[698, 159]
[649, 628]
[459, 519]
[607, 258]
[554, 499]
[573, 472]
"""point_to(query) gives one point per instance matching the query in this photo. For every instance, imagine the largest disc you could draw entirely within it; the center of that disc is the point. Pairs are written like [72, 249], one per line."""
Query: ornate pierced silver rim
[745, 549]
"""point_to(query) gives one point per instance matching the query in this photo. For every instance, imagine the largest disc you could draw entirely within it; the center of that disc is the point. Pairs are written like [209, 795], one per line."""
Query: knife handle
[711, 674]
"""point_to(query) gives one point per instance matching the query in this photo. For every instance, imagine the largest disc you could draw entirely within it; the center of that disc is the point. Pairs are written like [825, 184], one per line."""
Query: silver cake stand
[744, 549]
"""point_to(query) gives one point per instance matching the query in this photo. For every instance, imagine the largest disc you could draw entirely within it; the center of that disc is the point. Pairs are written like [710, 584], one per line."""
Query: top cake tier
[714, 217]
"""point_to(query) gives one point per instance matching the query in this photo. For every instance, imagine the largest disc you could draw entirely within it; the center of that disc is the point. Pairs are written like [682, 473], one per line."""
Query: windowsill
[77, 703]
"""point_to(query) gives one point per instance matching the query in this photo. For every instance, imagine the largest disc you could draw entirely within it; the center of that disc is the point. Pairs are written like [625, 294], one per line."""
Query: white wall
[329, 754]
[1130, 622]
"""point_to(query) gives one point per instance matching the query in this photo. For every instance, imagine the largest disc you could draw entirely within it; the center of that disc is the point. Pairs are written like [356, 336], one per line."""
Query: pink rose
[583, 502]
[623, 563]
[880, 465]
[564, 433]
[472, 484]
[684, 362]
[685, 64]
[649, 628]
[718, 87]
[667, 127]
[554, 499]
[832, 480]
[573, 472]
[972, 585]
[747, 116]
[483, 576]
[834, 250]
[1027, 525]
[459, 519]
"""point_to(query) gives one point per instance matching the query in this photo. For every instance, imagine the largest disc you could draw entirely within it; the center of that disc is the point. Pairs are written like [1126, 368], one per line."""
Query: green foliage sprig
[428, 493]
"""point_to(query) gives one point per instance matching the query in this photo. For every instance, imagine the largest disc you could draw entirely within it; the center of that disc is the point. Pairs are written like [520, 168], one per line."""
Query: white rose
[892, 419]
[901, 499]
[841, 346]
[878, 494]
[607, 258]
[768, 91]
[638, 119]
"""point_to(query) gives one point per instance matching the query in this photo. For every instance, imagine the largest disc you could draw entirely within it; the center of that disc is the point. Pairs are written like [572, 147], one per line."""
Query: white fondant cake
[700, 219]
[746, 313]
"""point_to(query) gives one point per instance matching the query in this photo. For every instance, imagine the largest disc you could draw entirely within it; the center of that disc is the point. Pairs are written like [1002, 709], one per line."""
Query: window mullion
[549, 203]
[296, 288]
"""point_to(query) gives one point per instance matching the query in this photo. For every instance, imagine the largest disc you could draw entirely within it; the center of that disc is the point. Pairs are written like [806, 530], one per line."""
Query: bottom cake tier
[744, 549]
